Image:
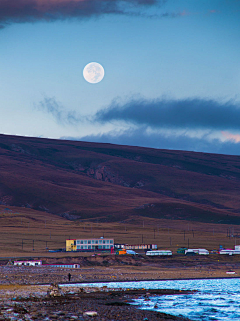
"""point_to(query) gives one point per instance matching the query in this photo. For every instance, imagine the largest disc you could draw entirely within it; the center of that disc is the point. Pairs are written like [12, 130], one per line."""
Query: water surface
[216, 299]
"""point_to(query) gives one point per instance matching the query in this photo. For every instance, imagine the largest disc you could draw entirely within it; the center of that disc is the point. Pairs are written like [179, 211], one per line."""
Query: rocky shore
[54, 303]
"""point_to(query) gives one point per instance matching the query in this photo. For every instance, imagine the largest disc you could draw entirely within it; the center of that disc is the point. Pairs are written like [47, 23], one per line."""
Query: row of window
[92, 247]
[94, 241]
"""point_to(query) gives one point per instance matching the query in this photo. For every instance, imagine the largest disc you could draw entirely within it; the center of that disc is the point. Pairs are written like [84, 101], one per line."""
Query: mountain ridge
[80, 180]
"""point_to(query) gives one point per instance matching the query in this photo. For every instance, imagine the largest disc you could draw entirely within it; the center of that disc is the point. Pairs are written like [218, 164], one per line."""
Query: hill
[80, 180]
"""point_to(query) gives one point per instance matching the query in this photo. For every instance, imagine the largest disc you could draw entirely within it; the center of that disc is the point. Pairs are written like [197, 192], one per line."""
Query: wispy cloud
[51, 106]
[20, 11]
[192, 113]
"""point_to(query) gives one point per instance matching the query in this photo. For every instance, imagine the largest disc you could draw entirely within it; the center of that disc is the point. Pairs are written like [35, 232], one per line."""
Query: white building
[28, 263]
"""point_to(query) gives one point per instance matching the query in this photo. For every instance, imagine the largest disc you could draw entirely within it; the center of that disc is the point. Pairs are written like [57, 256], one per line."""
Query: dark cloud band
[19, 11]
[186, 113]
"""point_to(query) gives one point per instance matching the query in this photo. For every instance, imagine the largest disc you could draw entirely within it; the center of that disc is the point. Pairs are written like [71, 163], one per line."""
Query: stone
[90, 313]
[54, 290]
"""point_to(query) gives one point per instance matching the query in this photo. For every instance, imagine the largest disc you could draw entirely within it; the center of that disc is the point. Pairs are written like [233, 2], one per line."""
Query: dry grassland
[25, 232]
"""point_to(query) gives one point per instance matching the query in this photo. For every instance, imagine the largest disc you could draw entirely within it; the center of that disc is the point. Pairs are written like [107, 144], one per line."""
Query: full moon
[93, 72]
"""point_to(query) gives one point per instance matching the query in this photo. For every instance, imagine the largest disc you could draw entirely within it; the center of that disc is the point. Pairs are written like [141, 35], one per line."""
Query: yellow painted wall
[70, 245]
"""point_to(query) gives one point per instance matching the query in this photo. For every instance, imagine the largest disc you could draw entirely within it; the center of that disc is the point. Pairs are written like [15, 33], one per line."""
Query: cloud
[20, 11]
[192, 113]
[51, 106]
[233, 137]
[142, 137]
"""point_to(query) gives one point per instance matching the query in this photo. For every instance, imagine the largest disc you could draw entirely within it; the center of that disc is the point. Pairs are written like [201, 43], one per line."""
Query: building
[100, 244]
[28, 263]
[64, 266]
[136, 246]
[159, 253]
[197, 251]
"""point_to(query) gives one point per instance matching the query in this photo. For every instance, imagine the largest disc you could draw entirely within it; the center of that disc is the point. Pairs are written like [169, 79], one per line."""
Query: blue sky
[157, 56]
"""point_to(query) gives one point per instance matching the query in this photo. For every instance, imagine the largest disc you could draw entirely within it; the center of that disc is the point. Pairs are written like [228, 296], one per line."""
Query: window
[100, 247]
[85, 242]
[81, 242]
[93, 241]
[107, 246]
[96, 242]
[103, 241]
[107, 241]
[78, 247]
[89, 247]
[89, 241]
[104, 246]
[81, 246]
[78, 242]
[100, 241]
[85, 246]
[74, 242]
[111, 241]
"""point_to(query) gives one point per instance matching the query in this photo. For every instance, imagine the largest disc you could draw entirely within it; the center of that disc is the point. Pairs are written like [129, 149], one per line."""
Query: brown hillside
[110, 182]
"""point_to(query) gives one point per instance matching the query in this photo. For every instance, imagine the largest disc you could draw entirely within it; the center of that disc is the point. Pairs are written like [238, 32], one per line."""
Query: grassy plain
[26, 232]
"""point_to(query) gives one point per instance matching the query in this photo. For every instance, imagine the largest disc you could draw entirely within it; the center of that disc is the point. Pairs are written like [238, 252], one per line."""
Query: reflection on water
[216, 299]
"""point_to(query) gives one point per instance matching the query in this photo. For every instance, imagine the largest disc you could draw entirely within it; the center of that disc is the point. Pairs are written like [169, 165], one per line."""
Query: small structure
[64, 266]
[159, 252]
[181, 250]
[94, 244]
[28, 263]
[197, 251]
[136, 246]
[229, 251]
[121, 252]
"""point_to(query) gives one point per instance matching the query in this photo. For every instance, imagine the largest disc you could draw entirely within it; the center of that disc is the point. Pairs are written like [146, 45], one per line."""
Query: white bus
[159, 252]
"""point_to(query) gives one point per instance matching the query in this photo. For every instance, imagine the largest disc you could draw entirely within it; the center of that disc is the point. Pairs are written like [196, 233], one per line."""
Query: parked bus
[159, 252]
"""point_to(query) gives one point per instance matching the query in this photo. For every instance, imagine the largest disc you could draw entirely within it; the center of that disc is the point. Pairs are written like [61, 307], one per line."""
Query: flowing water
[216, 299]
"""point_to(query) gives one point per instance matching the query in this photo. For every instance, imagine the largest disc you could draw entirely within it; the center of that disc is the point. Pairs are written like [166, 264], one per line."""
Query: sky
[172, 72]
